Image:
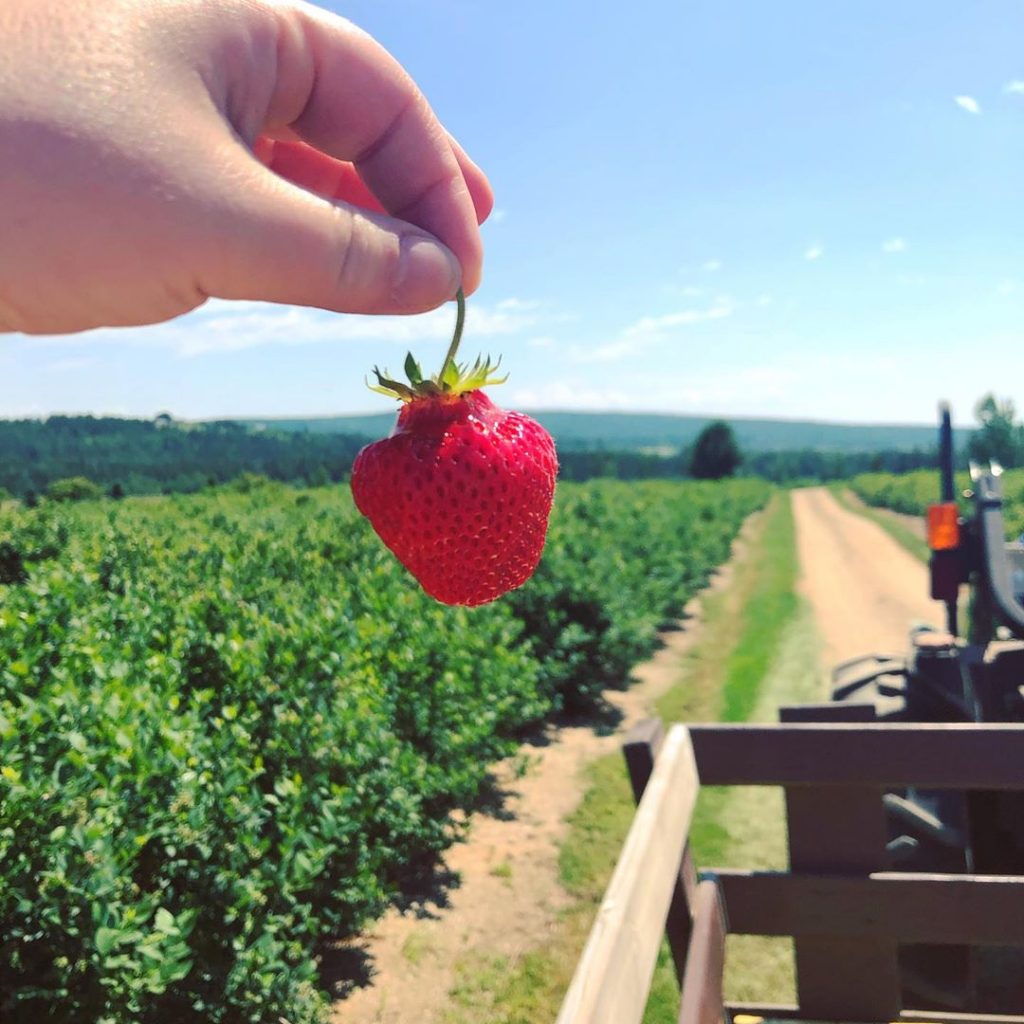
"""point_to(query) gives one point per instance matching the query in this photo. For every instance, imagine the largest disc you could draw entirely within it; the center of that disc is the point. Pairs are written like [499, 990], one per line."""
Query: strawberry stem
[460, 320]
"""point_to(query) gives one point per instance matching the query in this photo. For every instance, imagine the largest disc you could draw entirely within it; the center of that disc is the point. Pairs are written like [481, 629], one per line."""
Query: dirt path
[865, 590]
[508, 895]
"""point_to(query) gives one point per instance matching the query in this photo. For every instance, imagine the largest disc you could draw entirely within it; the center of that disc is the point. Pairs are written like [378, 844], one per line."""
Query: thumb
[276, 242]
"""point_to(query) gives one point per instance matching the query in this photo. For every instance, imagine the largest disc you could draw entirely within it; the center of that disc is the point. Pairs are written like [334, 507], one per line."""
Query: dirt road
[865, 590]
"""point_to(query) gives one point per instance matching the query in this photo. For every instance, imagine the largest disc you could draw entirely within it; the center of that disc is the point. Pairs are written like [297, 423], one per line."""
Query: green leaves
[230, 724]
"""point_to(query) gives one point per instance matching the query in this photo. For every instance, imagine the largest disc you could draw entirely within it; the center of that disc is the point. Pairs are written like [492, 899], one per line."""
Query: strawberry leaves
[452, 379]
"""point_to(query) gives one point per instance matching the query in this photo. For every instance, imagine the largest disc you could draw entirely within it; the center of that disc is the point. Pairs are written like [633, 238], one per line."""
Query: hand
[153, 154]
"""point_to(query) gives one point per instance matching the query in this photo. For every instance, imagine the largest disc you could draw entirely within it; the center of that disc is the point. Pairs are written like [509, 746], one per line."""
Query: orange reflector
[943, 526]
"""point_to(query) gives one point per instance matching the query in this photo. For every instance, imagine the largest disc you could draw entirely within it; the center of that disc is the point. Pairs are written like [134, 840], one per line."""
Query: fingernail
[428, 274]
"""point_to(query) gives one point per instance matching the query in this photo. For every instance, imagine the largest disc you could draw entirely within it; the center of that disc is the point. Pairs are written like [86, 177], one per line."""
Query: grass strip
[753, 630]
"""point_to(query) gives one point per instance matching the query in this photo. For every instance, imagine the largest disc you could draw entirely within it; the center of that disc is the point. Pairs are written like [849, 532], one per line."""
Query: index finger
[343, 93]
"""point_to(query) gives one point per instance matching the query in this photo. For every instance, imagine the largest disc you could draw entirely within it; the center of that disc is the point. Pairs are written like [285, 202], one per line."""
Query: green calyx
[452, 379]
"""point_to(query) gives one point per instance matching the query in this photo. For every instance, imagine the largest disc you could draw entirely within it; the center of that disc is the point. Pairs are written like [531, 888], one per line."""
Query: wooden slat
[614, 973]
[908, 906]
[787, 1012]
[701, 1001]
[832, 711]
[932, 1017]
[954, 756]
[640, 749]
[840, 830]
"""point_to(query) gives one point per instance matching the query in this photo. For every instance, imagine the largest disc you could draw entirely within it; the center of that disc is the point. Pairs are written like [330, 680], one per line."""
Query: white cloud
[1006, 287]
[647, 331]
[814, 252]
[691, 292]
[498, 214]
[648, 326]
[764, 299]
[968, 103]
[516, 305]
[540, 341]
[711, 266]
[609, 352]
[222, 326]
[894, 245]
[1014, 87]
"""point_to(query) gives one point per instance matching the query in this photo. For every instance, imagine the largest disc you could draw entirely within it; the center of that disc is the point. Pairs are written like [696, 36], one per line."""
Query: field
[911, 493]
[231, 728]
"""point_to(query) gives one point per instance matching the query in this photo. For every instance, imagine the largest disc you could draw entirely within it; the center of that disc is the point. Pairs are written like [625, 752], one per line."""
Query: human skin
[154, 153]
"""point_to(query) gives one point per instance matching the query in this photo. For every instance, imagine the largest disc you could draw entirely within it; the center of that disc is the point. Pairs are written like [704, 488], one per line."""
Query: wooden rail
[846, 911]
[618, 961]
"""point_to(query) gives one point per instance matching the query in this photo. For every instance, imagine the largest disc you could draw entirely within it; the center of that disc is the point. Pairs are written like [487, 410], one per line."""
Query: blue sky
[750, 209]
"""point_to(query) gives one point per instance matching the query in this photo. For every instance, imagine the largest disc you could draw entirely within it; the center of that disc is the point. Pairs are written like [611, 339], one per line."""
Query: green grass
[886, 519]
[417, 947]
[502, 870]
[757, 649]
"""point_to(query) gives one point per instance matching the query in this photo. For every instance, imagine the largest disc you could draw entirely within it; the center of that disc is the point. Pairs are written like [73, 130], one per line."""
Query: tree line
[75, 457]
[121, 456]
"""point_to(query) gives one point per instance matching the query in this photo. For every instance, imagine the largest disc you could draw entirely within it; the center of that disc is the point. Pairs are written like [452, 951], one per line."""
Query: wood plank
[640, 749]
[934, 756]
[701, 1001]
[832, 830]
[908, 906]
[787, 1012]
[829, 711]
[614, 973]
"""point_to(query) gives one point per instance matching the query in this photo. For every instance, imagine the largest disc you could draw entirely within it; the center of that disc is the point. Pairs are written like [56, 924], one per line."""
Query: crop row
[232, 728]
[911, 493]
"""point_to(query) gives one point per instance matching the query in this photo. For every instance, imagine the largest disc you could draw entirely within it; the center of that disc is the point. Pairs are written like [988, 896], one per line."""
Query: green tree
[74, 488]
[998, 437]
[716, 453]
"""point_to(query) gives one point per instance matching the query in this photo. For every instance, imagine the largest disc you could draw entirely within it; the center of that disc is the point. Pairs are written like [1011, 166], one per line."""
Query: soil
[505, 895]
[865, 590]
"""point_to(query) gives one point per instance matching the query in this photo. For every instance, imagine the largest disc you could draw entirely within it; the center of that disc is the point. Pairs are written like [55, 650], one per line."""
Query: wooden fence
[845, 911]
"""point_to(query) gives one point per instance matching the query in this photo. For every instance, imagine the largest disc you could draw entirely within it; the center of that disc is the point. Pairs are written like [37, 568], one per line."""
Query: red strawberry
[461, 490]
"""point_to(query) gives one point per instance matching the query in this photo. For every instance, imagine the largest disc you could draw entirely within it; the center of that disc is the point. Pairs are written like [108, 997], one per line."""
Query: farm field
[231, 729]
[911, 493]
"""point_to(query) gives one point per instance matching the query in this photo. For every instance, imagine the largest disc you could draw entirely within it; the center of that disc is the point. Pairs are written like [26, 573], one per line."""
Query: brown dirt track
[865, 590]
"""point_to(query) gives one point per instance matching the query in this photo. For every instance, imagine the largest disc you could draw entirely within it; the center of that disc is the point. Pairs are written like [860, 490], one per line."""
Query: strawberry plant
[231, 725]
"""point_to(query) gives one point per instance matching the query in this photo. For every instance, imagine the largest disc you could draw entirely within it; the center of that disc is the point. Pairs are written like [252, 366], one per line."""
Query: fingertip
[428, 274]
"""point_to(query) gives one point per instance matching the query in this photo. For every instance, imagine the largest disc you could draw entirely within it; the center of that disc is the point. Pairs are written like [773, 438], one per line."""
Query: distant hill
[616, 430]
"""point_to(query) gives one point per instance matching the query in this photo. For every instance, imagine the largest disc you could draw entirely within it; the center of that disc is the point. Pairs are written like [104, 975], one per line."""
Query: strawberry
[461, 490]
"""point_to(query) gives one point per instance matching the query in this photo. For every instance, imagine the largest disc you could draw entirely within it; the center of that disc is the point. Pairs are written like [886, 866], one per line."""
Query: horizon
[653, 413]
